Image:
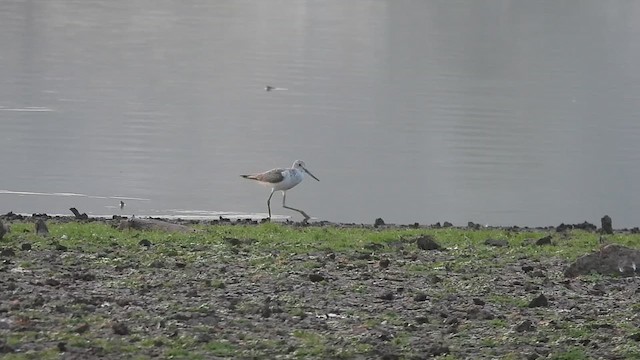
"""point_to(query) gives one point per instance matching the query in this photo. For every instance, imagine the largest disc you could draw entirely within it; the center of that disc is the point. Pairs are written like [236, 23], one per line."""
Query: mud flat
[87, 289]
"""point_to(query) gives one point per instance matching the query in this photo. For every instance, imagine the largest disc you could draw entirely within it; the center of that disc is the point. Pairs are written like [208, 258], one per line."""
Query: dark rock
[473, 226]
[5, 349]
[496, 242]
[635, 336]
[60, 247]
[526, 325]
[386, 296]
[158, 264]
[384, 263]
[266, 312]
[437, 350]
[52, 282]
[478, 301]
[7, 252]
[315, 277]
[119, 328]
[447, 224]
[25, 246]
[62, 346]
[607, 227]
[539, 301]
[427, 242]
[77, 214]
[422, 320]
[82, 328]
[232, 241]
[85, 276]
[180, 265]
[378, 222]
[612, 259]
[420, 297]
[144, 242]
[584, 226]
[544, 241]
[3, 230]
[41, 228]
[527, 268]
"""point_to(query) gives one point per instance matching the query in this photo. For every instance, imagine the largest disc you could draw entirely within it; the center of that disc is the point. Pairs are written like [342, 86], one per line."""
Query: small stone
[527, 268]
[607, 227]
[420, 297]
[478, 301]
[25, 247]
[386, 296]
[181, 265]
[7, 252]
[526, 325]
[52, 282]
[315, 277]
[496, 242]
[41, 228]
[266, 312]
[540, 301]
[145, 243]
[378, 222]
[384, 263]
[62, 346]
[60, 247]
[447, 224]
[82, 328]
[544, 241]
[119, 328]
[427, 242]
[438, 350]
[422, 320]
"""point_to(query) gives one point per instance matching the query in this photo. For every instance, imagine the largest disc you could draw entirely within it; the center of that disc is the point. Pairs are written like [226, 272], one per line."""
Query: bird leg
[284, 198]
[269, 203]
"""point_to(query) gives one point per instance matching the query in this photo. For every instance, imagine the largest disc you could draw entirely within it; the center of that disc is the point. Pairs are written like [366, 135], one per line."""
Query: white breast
[292, 177]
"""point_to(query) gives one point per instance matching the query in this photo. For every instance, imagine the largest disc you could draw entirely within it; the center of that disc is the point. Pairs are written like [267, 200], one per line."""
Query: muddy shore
[231, 298]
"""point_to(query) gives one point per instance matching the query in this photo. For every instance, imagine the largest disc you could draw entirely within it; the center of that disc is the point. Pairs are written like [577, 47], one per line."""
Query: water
[497, 112]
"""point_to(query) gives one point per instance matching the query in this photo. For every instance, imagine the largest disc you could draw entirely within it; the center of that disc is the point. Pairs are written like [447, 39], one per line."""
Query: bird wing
[272, 176]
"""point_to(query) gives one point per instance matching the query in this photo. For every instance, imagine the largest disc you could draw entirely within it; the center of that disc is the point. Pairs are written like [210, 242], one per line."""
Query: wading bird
[283, 180]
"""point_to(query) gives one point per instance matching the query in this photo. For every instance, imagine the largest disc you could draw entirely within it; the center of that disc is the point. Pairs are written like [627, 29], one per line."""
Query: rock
[420, 297]
[77, 214]
[539, 301]
[153, 224]
[60, 247]
[527, 268]
[478, 301]
[584, 226]
[384, 263]
[82, 328]
[7, 252]
[386, 296]
[52, 282]
[427, 242]
[25, 246]
[5, 349]
[378, 222]
[496, 242]
[41, 228]
[437, 350]
[315, 277]
[119, 328]
[635, 336]
[62, 346]
[145, 243]
[526, 325]
[612, 259]
[607, 227]
[447, 224]
[544, 241]
[3, 230]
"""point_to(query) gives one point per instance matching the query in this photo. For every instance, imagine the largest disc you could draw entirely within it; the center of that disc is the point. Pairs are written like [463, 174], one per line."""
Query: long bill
[310, 174]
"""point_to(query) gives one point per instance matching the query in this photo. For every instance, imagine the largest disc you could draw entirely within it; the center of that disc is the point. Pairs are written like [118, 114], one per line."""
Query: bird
[273, 88]
[280, 179]
[121, 204]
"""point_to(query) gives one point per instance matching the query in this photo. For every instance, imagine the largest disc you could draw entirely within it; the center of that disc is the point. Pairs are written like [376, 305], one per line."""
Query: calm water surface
[498, 112]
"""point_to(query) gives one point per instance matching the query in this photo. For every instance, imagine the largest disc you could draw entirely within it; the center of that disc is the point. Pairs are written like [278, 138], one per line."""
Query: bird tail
[247, 176]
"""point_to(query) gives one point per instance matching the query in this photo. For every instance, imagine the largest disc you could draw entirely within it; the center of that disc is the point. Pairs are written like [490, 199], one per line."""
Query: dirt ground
[231, 300]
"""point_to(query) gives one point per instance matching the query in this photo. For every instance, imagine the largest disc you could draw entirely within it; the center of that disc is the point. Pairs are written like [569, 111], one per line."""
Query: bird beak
[309, 172]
